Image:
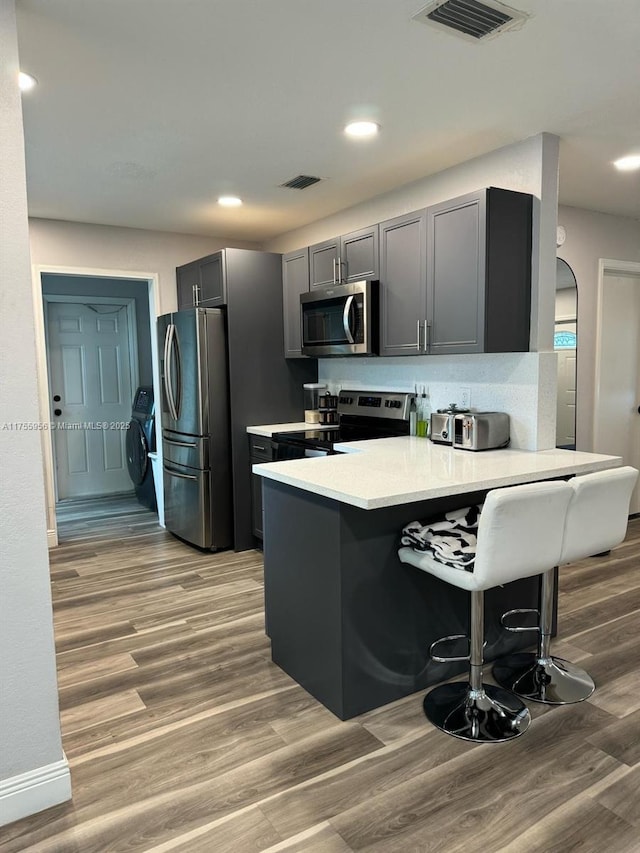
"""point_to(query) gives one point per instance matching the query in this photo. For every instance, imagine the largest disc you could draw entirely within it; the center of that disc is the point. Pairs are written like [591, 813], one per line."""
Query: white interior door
[617, 421]
[566, 405]
[89, 354]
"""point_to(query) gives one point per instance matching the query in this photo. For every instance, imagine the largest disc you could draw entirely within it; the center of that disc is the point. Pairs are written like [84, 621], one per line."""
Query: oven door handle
[345, 318]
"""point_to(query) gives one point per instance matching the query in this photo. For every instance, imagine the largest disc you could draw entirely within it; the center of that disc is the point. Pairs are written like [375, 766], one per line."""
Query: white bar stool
[519, 534]
[596, 521]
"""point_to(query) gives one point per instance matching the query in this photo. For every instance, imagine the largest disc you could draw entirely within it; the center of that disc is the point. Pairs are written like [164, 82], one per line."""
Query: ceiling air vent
[301, 182]
[470, 19]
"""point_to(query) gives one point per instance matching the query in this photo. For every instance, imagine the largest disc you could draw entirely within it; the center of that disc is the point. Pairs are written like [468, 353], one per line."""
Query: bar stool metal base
[552, 680]
[490, 715]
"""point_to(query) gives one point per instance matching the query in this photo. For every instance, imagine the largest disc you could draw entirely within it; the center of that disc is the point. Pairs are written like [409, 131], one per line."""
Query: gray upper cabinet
[479, 273]
[341, 260]
[359, 255]
[456, 277]
[323, 263]
[295, 281]
[202, 283]
[187, 279]
[403, 284]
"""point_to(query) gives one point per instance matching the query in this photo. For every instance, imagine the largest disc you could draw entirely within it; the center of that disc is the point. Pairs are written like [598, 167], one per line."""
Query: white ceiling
[148, 110]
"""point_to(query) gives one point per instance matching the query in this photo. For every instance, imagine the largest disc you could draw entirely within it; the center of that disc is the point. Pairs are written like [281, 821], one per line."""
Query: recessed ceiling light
[362, 129]
[628, 164]
[229, 201]
[26, 81]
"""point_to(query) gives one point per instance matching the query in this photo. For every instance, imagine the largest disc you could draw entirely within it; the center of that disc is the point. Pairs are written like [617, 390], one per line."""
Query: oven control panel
[393, 405]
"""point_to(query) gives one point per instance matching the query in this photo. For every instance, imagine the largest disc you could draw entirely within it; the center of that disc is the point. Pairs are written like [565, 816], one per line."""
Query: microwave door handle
[345, 319]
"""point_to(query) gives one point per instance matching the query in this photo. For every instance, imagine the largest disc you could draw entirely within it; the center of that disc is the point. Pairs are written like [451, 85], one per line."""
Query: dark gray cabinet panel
[295, 281]
[351, 257]
[479, 273]
[212, 281]
[455, 276]
[260, 450]
[323, 263]
[403, 284]
[203, 282]
[359, 255]
[187, 279]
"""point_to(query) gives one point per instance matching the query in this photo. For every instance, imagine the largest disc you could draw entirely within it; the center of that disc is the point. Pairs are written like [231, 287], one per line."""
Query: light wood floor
[183, 736]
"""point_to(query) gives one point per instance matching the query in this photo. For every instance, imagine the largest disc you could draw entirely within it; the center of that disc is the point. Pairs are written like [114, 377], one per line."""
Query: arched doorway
[565, 344]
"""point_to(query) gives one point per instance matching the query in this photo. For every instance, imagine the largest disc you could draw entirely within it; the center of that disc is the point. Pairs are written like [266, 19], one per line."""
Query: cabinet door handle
[258, 447]
[334, 270]
[341, 278]
[427, 336]
[197, 294]
[418, 345]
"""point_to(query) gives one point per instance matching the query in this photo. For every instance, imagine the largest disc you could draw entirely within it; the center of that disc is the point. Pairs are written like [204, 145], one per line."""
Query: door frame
[44, 395]
[132, 333]
[605, 266]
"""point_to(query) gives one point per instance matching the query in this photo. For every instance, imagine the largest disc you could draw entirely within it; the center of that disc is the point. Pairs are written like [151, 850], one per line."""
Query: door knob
[57, 412]
[56, 398]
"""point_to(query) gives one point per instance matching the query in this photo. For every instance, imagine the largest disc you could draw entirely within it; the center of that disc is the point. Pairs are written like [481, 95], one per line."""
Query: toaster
[441, 424]
[481, 430]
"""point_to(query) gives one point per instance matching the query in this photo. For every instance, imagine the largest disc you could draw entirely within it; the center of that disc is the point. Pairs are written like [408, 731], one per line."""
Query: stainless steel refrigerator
[196, 442]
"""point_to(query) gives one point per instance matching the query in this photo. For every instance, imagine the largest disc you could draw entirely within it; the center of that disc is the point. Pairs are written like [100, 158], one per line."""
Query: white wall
[33, 771]
[591, 236]
[523, 385]
[74, 244]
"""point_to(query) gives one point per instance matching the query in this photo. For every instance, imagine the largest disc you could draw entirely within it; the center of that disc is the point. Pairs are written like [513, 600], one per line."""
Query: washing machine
[141, 440]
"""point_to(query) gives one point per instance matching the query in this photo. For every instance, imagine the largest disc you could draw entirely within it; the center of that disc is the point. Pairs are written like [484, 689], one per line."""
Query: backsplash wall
[521, 384]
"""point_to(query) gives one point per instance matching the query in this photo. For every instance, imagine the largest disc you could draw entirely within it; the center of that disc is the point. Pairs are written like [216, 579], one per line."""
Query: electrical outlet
[465, 398]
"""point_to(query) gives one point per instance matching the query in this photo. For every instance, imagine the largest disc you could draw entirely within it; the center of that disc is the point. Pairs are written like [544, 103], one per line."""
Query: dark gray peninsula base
[347, 620]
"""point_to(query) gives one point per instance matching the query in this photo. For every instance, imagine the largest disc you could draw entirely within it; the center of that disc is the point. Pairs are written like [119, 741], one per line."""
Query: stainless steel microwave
[341, 320]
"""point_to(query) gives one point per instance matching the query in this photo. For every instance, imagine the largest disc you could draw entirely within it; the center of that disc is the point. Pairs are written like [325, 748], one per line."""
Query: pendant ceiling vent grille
[470, 19]
[301, 182]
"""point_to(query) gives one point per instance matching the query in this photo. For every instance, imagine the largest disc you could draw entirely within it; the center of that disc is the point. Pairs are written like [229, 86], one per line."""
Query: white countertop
[267, 430]
[392, 471]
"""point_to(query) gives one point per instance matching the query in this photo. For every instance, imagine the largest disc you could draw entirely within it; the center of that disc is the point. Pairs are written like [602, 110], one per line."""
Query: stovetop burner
[363, 415]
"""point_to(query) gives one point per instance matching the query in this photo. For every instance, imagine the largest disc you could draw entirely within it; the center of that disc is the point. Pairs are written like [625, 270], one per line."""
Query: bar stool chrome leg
[540, 676]
[476, 712]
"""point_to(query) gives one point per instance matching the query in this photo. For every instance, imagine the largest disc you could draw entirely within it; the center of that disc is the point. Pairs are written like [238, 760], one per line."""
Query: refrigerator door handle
[168, 385]
[180, 443]
[177, 474]
[174, 347]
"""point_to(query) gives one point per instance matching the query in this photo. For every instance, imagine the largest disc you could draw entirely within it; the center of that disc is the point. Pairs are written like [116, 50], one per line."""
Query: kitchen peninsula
[346, 619]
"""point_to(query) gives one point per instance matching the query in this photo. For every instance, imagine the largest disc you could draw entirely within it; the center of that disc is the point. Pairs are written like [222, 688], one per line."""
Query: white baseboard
[34, 791]
[52, 538]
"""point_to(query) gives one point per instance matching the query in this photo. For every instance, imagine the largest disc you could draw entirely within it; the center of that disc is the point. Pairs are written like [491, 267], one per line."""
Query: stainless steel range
[363, 415]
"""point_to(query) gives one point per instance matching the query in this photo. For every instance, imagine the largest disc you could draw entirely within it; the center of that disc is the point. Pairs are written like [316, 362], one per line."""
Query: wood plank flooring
[183, 736]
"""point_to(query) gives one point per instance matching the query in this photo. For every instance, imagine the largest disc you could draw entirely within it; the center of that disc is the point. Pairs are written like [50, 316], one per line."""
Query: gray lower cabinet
[295, 281]
[456, 277]
[351, 257]
[260, 450]
[203, 282]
